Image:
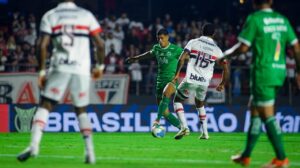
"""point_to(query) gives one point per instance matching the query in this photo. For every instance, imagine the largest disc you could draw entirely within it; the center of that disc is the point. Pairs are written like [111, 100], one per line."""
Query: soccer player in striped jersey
[201, 54]
[70, 28]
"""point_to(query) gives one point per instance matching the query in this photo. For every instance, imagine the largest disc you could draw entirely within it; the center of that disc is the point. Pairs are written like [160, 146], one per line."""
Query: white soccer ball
[158, 131]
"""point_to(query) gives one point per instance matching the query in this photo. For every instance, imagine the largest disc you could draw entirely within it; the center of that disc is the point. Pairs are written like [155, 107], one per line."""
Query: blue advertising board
[139, 118]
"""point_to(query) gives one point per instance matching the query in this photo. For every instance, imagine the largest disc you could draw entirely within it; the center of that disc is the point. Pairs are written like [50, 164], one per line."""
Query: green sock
[252, 136]
[274, 135]
[162, 107]
[173, 120]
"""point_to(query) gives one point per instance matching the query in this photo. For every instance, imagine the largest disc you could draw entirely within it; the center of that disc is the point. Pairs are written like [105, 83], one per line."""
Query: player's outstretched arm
[185, 56]
[145, 55]
[42, 46]
[225, 76]
[236, 50]
[100, 53]
[296, 48]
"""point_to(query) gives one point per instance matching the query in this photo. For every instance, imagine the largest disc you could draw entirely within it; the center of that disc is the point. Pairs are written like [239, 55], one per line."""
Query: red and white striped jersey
[203, 54]
[70, 28]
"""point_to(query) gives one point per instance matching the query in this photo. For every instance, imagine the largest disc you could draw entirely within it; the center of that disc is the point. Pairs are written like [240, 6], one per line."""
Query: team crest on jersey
[186, 92]
[168, 54]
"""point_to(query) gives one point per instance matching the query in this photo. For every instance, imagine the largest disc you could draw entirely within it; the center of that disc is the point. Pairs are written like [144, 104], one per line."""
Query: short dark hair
[162, 31]
[208, 29]
[260, 2]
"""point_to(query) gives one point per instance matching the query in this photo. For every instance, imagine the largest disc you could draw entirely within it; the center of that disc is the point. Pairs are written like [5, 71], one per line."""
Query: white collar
[66, 5]
[267, 10]
[165, 47]
[207, 38]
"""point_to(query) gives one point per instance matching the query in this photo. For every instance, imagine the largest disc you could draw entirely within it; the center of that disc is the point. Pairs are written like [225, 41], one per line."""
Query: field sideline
[141, 150]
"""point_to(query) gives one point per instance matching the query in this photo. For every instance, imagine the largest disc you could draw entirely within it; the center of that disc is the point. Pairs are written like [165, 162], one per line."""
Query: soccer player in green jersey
[167, 55]
[268, 33]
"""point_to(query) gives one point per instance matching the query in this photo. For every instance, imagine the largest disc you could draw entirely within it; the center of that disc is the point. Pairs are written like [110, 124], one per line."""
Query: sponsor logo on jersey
[268, 21]
[197, 78]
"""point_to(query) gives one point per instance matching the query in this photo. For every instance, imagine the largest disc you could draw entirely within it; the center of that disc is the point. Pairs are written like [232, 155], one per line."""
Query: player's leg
[159, 91]
[202, 118]
[53, 92]
[265, 107]
[180, 96]
[156, 121]
[86, 132]
[252, 137]
[79, 87]
[163, 107]
[199, 102]
[38, 124]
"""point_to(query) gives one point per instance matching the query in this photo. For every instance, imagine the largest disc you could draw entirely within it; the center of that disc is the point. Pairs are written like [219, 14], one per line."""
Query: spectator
[290, 84]
[112, 41]
[136, 75]
[3, 59]
[32, 23]
[111, 62]
[138, 25]
[123, 21]
[13, 59]
[111, 22]
[11, 44]
[118, 33]
[30, 37]
[3, 44]
[156, 26]
[31, 61]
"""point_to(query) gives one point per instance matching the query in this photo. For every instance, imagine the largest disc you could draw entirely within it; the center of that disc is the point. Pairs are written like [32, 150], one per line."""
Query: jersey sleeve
[45, 26]
[188, 46]
[291, 36]
[220, 55]
[152, 51]
[95, 28]
[248, 32]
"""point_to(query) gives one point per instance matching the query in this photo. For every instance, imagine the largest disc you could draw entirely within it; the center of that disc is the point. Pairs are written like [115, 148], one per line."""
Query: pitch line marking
[156, 149]
[166, 160]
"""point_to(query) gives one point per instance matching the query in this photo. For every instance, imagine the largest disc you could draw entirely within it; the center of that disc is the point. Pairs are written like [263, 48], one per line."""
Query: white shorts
[186, 89]
[58, 82]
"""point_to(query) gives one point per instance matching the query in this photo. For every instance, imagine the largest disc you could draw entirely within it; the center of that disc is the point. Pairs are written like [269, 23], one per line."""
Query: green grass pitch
[141, 150]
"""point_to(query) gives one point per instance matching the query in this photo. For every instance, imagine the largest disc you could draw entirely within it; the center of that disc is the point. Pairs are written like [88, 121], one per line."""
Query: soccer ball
[158, 131]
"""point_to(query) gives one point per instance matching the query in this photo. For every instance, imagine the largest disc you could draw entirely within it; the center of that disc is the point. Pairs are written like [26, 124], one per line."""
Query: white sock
[86, 131]
[202, 117]
[178, 107]
[39, 122]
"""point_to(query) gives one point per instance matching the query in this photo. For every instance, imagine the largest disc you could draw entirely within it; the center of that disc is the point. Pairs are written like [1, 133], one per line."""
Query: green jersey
[167, 59]
[269, 32]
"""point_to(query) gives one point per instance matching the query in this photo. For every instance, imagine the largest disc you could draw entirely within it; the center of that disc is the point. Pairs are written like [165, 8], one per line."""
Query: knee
[80, 110]
[167, 94]
[166, 113]
[47, 103]
[177, 100]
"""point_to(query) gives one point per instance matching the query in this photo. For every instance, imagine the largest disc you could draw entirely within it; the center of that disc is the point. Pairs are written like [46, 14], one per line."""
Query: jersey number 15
[202, 61]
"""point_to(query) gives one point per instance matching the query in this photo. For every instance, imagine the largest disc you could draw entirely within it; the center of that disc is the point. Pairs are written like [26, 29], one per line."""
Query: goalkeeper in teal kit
[167, 55]
[268, 33]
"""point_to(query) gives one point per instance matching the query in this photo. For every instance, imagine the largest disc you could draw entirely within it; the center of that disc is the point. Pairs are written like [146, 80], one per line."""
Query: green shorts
[263, 95]
[160, 88]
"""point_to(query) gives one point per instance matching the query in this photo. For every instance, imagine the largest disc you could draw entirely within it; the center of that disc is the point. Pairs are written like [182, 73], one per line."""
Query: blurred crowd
[125, 37]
